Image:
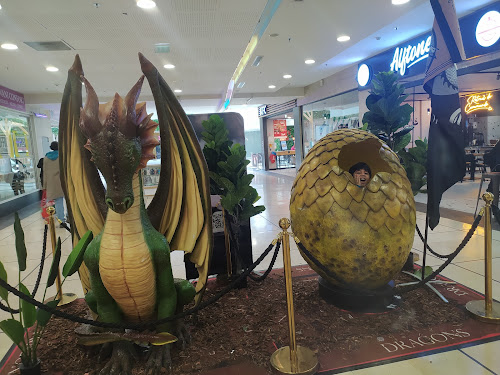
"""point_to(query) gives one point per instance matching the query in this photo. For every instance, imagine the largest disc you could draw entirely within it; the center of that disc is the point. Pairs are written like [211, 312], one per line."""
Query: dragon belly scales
[125, 262]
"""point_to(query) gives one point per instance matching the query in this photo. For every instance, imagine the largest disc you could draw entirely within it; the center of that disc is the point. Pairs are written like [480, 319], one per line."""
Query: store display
[138, 285]
[363, 235]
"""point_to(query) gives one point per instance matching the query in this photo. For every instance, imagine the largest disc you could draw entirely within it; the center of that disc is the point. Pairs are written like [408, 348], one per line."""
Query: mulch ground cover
[246, 325]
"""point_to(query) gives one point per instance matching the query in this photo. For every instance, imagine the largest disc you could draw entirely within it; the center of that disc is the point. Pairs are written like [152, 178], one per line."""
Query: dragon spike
[77, 66]
[89, 114]
[141, 113]
[113, 113]
[133, 95]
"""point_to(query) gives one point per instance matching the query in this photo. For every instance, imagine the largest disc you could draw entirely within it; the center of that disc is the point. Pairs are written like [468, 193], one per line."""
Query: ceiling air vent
[162, 47]
[257, 60]
[49, 46]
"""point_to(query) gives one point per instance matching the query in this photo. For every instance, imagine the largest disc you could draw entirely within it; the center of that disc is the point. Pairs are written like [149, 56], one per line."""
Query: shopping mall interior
[282, 75]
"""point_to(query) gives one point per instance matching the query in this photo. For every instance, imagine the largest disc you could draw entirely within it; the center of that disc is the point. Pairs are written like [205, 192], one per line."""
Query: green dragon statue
[127, 275]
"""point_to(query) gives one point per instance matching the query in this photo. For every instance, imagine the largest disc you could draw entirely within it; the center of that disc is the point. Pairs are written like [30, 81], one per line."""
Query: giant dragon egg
[362, 236]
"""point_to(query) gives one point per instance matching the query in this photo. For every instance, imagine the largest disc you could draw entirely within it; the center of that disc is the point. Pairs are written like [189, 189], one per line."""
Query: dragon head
[121, 140]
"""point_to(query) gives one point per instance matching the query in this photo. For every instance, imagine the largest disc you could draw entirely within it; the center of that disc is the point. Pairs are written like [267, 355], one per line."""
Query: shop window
[17, 168]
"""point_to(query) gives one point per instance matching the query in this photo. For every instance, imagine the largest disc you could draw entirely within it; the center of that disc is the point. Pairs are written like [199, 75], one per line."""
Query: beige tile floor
[274, 188]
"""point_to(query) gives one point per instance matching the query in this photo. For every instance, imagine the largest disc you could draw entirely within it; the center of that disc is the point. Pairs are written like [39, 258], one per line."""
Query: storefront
[278, 130]
[479, 74]
[17, 160]
[327, 115]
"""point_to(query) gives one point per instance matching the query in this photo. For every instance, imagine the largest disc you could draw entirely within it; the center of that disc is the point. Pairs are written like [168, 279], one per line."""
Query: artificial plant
[415, 164]
[27, 330]
[387, 118]
[227, 165]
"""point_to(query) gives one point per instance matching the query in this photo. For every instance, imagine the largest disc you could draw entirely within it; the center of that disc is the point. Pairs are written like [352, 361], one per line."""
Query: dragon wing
[181, 208]
[82, 186]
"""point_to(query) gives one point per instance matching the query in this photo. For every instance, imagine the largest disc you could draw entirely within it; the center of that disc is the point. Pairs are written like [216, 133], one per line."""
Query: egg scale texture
[362, 235]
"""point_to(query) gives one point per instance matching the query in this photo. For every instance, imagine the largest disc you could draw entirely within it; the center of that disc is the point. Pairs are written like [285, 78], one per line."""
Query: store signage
[406, 57]
[12, 99]
[364, 75]
[279, 127]
[478, 102]
[262, 110]
[488, 29]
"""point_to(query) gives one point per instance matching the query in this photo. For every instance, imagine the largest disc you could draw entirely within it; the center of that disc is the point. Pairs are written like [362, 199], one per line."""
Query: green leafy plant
[415, 164]
[386, 117]
[27, 330]
[227, 169]
[227, 165]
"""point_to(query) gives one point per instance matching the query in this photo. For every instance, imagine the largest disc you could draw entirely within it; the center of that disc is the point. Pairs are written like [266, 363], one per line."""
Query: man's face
[362, 177]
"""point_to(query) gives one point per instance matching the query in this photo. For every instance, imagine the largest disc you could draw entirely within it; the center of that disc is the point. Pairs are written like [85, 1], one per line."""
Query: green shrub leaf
[20, 245]
[54, 268]
[3, 275]
[75, 259]
[27, 309]
[42, 316]
[13, 329]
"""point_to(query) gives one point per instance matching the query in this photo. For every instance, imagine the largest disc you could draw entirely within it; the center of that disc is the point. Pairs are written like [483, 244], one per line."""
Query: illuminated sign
[364, 75]
[406, 57]
[478, 102]
[488, 29]
[262, 110]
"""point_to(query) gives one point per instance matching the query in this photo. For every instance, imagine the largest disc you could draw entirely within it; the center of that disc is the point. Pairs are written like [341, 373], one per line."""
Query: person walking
[52, 180]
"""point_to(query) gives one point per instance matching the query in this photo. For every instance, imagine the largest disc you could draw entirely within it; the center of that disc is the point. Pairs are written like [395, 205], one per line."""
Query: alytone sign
[12, 99]
[406, 57]
[480, 34]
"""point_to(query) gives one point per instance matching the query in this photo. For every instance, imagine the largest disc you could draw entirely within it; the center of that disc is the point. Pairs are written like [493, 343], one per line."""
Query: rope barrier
[430, 249]
[355, 288]
[269, 269]
[143, 325]
[38, 278]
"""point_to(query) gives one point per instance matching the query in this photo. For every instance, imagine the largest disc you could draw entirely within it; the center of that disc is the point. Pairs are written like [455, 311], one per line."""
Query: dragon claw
[159, 357]
[121, 359]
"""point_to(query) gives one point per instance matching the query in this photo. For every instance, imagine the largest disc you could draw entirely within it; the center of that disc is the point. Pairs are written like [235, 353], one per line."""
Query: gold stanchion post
[64, 298]
[487, 310]
[292, 359]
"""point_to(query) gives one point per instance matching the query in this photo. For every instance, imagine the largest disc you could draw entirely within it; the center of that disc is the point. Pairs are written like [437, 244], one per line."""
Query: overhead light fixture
[8, 46]
[310, 61]
[287, 76]
[272, 86]
[146, 4]
[169, 66]
[0, 7]
[343, 38]
[399, 2]
[177, 90]
[51, 69]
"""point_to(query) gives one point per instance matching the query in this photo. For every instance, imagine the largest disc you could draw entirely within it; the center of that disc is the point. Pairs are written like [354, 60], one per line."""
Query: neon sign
[478, 102]
[406, 57]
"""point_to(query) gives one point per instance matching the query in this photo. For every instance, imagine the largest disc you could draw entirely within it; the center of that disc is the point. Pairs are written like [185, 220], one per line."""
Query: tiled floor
[274, 188]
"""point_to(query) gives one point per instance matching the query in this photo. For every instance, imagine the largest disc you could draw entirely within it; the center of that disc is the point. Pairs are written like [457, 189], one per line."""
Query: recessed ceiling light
[310, 61]
[51, 69]
[9, 46]
[343, 38]
[177, 90]
[169, 66]
[146, 4]
[0, 7]
[287, 76]
[272, 86]
[399, 2]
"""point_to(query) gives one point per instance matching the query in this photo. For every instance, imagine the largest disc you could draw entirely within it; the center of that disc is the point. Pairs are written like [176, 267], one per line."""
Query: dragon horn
[89, 114]
[131, 101]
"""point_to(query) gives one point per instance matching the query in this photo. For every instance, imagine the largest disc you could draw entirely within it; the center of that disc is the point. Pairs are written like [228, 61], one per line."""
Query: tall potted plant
[228, 178]
[387, 117]
[27, 330]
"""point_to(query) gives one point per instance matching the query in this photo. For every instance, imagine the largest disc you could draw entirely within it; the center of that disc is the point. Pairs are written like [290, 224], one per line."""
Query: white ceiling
[207, 39]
